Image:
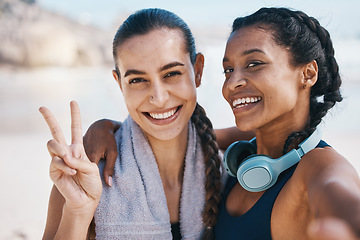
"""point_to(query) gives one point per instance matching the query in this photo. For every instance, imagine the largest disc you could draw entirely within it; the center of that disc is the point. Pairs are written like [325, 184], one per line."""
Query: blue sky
[341, 18]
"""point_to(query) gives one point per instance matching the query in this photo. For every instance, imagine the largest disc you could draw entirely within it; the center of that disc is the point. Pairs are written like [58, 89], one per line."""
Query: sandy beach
[24, 181]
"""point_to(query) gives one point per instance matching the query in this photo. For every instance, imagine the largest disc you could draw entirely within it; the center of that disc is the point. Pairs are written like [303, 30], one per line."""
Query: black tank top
[255, 223]
[175, 231]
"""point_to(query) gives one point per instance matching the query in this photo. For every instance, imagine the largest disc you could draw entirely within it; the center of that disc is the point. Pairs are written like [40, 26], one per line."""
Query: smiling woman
[254, 62]
[167, 183]
[158, 83]
[284, 61]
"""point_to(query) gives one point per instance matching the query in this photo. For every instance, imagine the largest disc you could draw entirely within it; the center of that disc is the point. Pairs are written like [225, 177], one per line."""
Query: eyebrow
[247, 52]
[167, 66]
[171, 65]
[133, 71]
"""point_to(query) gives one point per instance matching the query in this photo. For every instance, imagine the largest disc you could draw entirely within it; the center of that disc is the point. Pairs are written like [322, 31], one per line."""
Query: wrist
[75, 222]
[81, 213]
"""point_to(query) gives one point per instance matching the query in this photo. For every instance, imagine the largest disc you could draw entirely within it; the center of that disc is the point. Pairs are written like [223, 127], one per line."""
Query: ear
[198, 68]
[310, 74]
[117, 77]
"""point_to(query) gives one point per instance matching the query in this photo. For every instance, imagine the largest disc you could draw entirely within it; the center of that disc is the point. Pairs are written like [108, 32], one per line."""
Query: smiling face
[261, 85]
[158, 82]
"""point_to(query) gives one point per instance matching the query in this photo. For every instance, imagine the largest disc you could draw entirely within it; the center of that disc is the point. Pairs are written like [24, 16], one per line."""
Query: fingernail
[110, 181]
[73, 171]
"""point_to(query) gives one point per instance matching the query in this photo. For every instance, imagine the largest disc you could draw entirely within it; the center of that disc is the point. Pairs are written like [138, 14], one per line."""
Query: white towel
[135, 206]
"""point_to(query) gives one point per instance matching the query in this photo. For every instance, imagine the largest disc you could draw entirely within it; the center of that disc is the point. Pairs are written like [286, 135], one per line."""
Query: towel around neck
[135, 206]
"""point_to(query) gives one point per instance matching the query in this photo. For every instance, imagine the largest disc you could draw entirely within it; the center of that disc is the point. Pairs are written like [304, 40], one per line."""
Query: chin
[165, 137]
[244, 126]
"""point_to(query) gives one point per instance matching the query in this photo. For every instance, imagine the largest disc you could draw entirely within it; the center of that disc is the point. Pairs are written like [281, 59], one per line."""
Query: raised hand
[331, 229]
[76, 178]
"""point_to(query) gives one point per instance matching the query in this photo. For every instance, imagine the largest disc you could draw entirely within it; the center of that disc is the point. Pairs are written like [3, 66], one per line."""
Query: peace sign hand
[76, 178]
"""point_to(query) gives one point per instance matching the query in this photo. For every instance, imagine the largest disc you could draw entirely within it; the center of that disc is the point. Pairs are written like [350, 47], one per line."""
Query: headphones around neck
[258, 172]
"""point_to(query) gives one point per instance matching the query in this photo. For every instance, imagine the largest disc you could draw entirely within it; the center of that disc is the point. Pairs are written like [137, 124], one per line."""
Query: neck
[270, 139]
[170, 157]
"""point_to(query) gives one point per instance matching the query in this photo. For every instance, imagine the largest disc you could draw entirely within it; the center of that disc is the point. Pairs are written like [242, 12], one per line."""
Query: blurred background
[52, 52]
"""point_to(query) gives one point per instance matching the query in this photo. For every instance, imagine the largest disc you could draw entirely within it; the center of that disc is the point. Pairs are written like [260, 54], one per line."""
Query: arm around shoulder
[226, 136]
[100, 143]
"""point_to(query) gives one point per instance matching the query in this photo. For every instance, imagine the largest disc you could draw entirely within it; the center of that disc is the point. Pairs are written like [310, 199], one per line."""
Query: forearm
[74, 224]
[226, 136]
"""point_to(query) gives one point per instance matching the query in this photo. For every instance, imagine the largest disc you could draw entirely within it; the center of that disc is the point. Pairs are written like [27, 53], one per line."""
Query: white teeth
[245, 101]
[163, 115]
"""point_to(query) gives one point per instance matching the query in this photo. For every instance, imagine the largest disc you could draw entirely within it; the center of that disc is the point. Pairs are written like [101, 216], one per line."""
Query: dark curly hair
[306, 40]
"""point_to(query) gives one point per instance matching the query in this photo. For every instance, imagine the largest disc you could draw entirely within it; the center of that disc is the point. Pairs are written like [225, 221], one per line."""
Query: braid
[306, 40]
[329, 80]
[212, 169]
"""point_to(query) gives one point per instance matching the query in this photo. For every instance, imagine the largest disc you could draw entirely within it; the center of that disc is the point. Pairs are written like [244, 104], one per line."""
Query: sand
[25, 183]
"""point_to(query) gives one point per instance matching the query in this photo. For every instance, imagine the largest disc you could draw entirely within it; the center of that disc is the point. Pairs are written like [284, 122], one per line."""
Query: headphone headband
[258, 172]
[310, 143]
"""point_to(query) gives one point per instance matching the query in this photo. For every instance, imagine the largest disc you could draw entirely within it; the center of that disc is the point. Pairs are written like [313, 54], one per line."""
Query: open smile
[242, 102]
[163, 115]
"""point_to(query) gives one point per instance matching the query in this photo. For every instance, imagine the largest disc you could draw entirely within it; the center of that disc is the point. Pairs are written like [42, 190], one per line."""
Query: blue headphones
[258, 172]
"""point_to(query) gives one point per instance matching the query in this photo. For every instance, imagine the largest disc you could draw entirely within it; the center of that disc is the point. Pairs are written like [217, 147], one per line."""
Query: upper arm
[91, 231]
[226, 136]
[56, 203]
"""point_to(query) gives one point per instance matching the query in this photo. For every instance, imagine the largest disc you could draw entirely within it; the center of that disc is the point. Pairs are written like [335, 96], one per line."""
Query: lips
[163, 115]
[242, 102]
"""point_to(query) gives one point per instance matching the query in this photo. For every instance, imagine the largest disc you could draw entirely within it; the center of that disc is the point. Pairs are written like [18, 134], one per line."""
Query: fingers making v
[54, 127]
[77, 147]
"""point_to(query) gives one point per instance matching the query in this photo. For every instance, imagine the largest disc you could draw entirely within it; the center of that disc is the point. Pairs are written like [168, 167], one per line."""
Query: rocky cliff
[33, 37]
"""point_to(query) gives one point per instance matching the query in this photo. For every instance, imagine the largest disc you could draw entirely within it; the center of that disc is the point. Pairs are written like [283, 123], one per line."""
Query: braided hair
[142, 22]
[212, 169]
[306, 40]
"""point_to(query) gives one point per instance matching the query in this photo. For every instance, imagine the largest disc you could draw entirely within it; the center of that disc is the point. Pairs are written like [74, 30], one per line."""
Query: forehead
[253, 37]
[157, 47]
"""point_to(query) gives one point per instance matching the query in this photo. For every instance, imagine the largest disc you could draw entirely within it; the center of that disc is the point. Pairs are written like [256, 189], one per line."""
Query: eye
[254, 64]
[136, 80]
[171, 74]
[228, 70]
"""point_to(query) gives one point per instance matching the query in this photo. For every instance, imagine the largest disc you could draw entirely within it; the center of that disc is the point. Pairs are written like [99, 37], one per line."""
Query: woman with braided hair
[281, 78]
[166, 182]
[284, 60]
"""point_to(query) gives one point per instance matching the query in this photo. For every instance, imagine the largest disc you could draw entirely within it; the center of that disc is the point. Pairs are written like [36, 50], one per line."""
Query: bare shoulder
[324, 165]
[323, 184]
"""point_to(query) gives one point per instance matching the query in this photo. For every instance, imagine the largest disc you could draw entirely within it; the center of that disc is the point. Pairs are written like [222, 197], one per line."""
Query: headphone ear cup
[235, 155]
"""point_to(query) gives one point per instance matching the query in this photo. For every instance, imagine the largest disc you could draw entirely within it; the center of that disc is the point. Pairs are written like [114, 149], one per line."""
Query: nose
[236, 80]
[159, 94]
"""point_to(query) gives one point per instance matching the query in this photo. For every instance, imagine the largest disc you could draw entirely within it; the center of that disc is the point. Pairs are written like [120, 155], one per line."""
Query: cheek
[132, 99]
[225, 92]
[188, 94]
[186, 88]
[283, 98]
